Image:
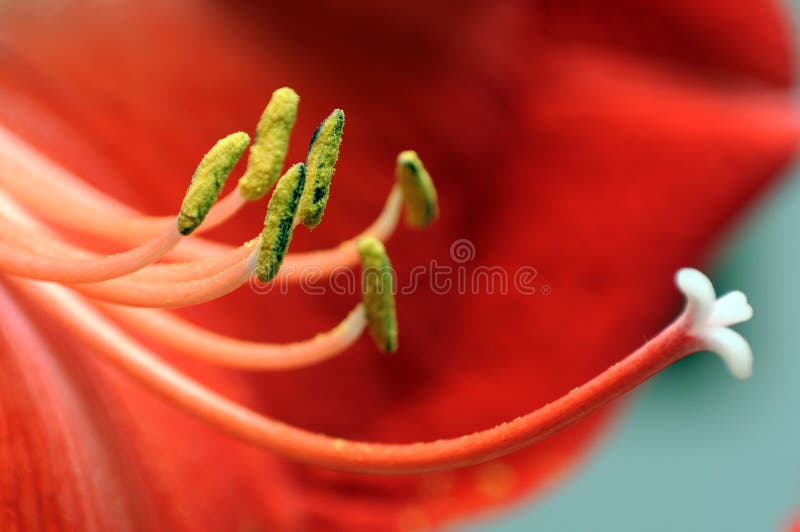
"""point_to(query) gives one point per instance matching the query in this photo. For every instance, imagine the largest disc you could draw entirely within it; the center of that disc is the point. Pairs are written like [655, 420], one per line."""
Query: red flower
[604, 143]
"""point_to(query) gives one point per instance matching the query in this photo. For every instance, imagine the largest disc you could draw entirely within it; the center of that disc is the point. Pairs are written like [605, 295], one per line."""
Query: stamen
[202, 193]
[420, 195]
[208, 180]
[90, 212]
[67, 201]
[271, 142]
[377, 285]
[46, 245]
[326, 260]
[15, 261]
[172, 294]
[345, 254]
[196, 342]
[323, 152]
[20, 233]
[279, 222]
[195, 269]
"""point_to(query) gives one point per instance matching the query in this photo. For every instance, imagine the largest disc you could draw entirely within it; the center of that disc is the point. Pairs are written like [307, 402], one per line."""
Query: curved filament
[197, 342]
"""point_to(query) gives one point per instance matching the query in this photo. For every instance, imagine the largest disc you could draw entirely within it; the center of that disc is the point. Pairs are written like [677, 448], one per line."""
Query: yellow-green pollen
[377, 286]
[419, 194]
[279, 222]
[208, 180]
[268, 151]
[323, 152]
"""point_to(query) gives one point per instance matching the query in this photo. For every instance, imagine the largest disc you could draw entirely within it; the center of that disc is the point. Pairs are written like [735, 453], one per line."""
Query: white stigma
[711, 319]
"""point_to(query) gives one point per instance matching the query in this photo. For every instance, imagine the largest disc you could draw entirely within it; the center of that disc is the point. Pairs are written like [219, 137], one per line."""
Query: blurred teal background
[698, 451]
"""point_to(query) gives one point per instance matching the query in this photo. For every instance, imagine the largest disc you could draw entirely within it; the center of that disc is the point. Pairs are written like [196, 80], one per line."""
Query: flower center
[96, 294]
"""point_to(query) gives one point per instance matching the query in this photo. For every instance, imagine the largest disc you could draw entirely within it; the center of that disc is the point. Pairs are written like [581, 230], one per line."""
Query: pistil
[118, 349]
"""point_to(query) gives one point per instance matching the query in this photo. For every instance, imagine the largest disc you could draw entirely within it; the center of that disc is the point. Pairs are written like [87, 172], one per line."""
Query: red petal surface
[56, 434]
[603, 143]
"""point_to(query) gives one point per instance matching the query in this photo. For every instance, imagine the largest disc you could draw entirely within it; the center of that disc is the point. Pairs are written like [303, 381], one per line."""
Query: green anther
[268, 151]
[419, 193]
[377, 285]
[279, 222]
[320, 161]
[208, 180]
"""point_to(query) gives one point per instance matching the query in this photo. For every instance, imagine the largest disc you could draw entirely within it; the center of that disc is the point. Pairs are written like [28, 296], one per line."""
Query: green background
[696, 449]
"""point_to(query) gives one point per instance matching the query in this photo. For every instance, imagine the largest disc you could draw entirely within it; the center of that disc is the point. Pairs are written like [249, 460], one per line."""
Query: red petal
[603, 144]
[59, 453]
[796, 526]
[89, 450]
